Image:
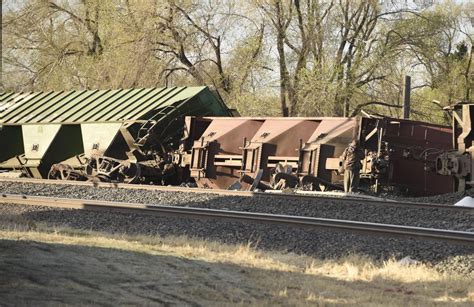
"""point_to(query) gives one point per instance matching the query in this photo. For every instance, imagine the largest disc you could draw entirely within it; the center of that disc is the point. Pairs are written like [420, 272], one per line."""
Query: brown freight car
[276, 153]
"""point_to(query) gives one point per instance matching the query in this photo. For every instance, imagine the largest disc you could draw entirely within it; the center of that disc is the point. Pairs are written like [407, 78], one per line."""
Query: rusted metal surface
[142, 136]
[304, 152]
[459, 162]
[218, 152]
[277, 142]
[411, 148]
[319, 157]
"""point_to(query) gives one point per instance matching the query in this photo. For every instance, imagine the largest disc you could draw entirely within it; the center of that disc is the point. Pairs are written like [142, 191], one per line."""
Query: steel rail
[297, 196]
[460, 237]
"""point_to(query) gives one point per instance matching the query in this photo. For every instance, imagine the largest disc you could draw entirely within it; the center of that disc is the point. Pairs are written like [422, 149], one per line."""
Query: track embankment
[355, 209]
[321, 243]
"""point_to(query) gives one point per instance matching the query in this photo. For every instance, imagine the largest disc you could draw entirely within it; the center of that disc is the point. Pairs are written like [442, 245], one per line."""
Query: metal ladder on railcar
[145, 130]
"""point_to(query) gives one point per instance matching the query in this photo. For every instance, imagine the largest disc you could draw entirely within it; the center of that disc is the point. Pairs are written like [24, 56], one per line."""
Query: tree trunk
[283, 75]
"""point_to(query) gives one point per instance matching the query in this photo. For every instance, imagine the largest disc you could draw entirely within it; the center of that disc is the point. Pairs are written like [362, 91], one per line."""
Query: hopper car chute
[278, 153]
[187, 134]
[116, 135]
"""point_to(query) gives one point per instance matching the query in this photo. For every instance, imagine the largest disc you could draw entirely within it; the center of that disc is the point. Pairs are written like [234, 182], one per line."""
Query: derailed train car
[113, 135]
[277, 153]
[458, 163]
[142, 136]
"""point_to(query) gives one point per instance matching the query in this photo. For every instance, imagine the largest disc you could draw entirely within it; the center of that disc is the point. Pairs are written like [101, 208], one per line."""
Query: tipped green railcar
[119, 134]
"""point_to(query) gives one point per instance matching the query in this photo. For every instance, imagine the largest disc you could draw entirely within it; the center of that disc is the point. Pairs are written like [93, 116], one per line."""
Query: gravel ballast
[357, 210]
[445, 257]
[323, 244]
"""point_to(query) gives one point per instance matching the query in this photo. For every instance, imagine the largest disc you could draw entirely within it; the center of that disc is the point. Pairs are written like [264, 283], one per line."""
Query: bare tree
[191, 36]
[298, 28]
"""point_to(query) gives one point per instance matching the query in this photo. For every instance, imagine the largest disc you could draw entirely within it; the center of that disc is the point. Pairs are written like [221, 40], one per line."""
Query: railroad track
[299, 195]
[460, 237]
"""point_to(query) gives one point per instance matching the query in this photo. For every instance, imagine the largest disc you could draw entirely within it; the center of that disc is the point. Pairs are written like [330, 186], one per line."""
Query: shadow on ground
[35, 273]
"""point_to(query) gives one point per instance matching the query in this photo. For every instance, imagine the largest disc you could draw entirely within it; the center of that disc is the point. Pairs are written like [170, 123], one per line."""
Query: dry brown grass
[251, 276]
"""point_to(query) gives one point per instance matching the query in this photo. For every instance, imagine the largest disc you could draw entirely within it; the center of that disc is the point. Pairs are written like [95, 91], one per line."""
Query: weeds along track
[354, 209]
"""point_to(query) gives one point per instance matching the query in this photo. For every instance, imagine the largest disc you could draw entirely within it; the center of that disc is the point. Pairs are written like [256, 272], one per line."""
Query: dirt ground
[63, 268]
[44, 273]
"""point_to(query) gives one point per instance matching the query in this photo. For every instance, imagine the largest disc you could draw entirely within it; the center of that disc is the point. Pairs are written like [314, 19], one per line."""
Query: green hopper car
[118, 135]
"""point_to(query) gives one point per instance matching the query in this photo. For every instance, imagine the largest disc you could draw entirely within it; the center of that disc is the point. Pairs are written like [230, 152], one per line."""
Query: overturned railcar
[180, 134]
[278, 153]
[115, 135]
[459, 162]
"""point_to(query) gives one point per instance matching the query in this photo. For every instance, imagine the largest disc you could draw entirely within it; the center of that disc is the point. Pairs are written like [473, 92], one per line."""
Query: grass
[268, 278]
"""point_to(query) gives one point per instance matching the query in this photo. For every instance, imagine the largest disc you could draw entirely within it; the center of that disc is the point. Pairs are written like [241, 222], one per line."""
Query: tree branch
[380, 103]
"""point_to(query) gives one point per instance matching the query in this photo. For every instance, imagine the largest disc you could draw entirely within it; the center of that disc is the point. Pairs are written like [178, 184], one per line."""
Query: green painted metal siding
[11, 143]
[98, 105]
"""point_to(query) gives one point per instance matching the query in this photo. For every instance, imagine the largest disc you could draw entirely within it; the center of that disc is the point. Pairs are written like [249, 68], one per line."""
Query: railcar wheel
[131, 172]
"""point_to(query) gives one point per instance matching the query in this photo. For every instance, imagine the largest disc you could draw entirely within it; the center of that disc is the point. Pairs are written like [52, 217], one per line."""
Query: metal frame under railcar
[277, 153]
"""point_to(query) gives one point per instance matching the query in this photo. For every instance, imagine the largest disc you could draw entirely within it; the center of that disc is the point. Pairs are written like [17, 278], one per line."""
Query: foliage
[265, 57]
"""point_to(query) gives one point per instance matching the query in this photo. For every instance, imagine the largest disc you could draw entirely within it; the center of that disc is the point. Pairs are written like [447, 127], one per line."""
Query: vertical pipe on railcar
[379, 148]
[406, 97]
[244, 156]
